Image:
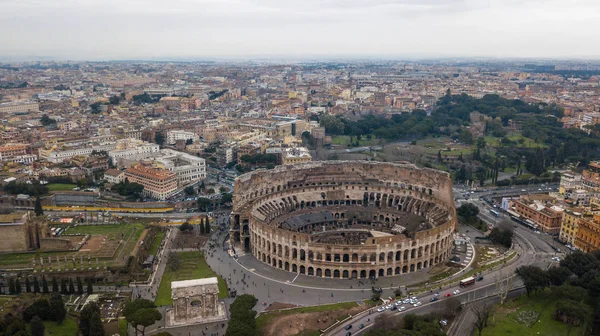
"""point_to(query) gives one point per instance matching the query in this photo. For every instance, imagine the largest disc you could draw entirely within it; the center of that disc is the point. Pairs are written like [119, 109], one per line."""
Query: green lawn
[122, 327]
[156, 243]
[112, 230]
[504, 319]
[193, 266]
[68, 327]
[60, 186]
[527, 142]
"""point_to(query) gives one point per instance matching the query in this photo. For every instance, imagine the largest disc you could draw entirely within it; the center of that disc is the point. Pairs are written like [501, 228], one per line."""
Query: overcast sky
[145, 29]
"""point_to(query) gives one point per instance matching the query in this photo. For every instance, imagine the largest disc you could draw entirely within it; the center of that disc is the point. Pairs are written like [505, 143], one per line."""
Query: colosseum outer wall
[263, 198]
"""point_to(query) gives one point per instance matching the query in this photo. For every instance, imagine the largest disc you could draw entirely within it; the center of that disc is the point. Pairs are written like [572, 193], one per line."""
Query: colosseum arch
[323, 219]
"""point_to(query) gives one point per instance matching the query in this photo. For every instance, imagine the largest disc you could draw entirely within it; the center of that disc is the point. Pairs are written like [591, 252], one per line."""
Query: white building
[174, 135]
[133, 149]
[188, 168]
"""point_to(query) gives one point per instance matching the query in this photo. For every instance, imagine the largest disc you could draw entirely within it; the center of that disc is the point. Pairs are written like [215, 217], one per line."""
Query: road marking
[295, 278]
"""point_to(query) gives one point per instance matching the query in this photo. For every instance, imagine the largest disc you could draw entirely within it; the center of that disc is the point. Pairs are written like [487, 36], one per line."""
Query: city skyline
[111, 30]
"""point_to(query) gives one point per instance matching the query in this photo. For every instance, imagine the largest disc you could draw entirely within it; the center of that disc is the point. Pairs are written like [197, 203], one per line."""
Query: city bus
[495, 213]
[466, 282]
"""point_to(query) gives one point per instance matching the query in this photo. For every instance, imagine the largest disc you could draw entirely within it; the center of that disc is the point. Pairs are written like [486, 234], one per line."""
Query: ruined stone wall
[55, 244]
[264, 199]
[14, 238]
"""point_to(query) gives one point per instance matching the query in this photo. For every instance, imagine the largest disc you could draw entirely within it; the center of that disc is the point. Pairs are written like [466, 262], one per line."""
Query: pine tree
[37, 327]
[207, 226]
[202, 225]
[36, 285]
[79, 286]
[57, 308]
[11, 286]
[90, 288]
[63, 287]
[38, 207]
[96, 327]
[71, 286]
[27, 285]
[54, 285]
[17, 286]
[45, 285]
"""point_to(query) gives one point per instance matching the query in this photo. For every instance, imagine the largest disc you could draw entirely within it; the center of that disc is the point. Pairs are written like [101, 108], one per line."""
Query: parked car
[348, 327]
[456, 292]
[433, 299]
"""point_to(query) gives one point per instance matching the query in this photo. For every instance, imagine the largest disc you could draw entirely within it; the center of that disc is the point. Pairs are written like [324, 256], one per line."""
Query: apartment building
[570, 226]
[186, 167]
[588, 235]
[17, 107]
[295, 155]
[539, 210]
[174, 135]
[158, 183]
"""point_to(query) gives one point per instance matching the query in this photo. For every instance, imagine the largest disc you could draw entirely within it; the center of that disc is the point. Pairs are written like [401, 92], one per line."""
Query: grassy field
[504, 318]
[113, 233]
[68, 327]
[527, 142]
[193, 266]
[60, 186]
[156, 243]
[122, 327]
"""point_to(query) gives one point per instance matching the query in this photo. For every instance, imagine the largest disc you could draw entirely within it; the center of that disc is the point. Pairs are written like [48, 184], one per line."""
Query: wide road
[532, 250]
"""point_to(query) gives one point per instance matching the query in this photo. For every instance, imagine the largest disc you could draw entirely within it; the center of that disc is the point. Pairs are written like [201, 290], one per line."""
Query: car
[444, 322]
[348, 327]
[402, 308]
[380, 309]
[406, 301]
[433, 299]
[398, 303]
[361, 326]
[348, 334]
[417, 304]
[448, 295]
[389, 306]
[523, 190]
[393, 308]
[480, 278]
[456, 292]
[538, 232]
[436, 294]
[557, 259]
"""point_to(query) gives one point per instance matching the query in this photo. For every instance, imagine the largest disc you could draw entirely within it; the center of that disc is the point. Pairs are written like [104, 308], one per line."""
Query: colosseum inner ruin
[345, 219]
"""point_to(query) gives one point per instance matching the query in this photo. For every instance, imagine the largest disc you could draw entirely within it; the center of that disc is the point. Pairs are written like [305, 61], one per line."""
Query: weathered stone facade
[196, 301]
[345, 219]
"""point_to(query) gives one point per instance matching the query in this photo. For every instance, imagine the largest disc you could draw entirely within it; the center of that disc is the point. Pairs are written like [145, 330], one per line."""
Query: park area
[109, 243]
[527, 316]
[192, 265]
[306, 320]
[60, 186]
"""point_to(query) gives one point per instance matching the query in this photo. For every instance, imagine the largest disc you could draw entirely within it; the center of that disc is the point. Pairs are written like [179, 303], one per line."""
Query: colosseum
[345, 219]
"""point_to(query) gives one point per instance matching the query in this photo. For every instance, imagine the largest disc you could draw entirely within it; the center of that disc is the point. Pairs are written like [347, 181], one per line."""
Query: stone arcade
[195, 302]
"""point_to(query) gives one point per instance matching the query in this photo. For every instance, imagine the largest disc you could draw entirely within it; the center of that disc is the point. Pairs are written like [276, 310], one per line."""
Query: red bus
[466, 282]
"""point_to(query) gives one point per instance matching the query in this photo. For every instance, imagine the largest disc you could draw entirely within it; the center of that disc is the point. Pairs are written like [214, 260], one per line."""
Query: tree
[204, 204]
[571, 312]
[57, 308]
[558, 275]
[482, 314]
[90, 288]
[114, 100]
[45, 285]
[141, 312]
[71, 286]
[36, 326]
[189, 190]
[27, 285]
[186, 227]
[503, 286]
[452, 306]
[226, 198]
[242, 320]
[159, 138]
[11, 286]
[174, 262]
[17, 286]
[502, 236]
[79, 286]
[88, 319]
[533, 277]
[202, 225]
[39, 308]
[207, 225]
[47, 121]
[63, 287]
[580, 263]
[36, 285]
[54, 285]
[375, 296]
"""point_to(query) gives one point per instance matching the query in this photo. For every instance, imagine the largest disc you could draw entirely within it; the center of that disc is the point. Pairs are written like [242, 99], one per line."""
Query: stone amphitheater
[345, 219]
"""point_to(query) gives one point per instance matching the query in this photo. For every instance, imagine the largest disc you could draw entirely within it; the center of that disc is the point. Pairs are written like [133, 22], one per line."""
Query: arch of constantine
[345, 219]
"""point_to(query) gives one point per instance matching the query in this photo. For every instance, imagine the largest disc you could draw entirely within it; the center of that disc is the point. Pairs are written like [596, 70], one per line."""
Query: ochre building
[345, 219]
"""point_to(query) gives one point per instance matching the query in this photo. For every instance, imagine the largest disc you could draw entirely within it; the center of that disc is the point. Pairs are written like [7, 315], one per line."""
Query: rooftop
[194, 282]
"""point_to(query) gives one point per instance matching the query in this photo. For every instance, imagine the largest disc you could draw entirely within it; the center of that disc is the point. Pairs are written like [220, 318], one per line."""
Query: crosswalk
[469, 255]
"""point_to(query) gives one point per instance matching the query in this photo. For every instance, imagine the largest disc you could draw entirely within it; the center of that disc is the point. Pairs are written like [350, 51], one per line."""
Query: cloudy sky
[145, 29]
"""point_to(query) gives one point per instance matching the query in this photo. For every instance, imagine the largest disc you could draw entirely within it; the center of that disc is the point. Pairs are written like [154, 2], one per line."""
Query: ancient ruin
[345, 219]
[195, 302]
